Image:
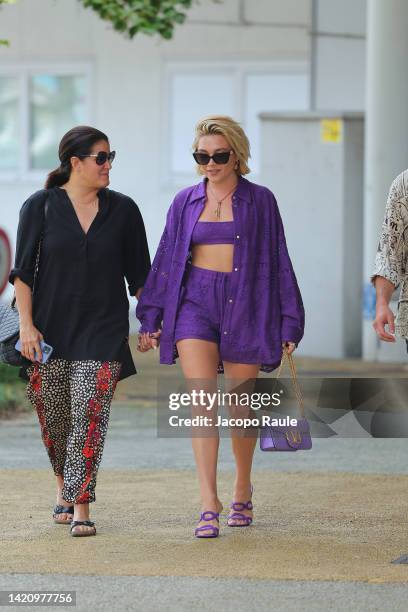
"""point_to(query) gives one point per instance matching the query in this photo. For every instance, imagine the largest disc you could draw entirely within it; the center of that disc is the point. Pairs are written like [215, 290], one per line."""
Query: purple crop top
[213, 232]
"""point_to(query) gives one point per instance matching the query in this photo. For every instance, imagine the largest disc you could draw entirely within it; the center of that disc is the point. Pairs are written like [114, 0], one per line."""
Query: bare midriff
[218, 257]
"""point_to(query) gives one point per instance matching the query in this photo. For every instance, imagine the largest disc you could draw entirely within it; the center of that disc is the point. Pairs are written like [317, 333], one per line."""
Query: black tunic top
[80, 303]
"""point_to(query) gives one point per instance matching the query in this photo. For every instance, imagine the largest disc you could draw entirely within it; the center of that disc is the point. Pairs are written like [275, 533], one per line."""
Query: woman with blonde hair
[222, 295]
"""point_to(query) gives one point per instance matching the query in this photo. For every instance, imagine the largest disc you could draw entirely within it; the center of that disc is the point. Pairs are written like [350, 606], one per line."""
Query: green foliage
[132, 17]
[8, 374]
[150, 17]
[12, 392]
[2, 41]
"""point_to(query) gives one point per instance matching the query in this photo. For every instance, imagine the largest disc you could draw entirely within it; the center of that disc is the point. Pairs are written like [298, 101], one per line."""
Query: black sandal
[82, 534]
[63, 510]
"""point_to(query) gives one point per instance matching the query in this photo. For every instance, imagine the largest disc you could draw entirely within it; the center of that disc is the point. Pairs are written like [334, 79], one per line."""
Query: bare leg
[243, 441]
[61, 501]
[81, 510]
[199, 361]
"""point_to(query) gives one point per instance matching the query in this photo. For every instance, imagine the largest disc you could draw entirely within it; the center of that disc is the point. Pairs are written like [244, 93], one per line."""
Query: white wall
[130, 86]
[129, 92]
[319, 189]
[340, 54]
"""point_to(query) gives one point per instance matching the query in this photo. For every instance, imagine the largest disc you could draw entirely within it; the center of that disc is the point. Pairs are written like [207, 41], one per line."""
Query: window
[240, 89]
[9, 116]
[37, 106]
[57, 103]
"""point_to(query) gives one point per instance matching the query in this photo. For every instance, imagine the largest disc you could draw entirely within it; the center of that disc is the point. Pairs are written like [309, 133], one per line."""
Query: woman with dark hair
[89, 239]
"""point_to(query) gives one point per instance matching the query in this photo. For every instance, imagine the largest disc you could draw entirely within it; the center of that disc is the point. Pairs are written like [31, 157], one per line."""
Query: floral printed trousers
[72, 400]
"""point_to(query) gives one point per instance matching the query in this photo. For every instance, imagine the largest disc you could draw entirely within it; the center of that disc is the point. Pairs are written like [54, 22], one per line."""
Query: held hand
[143, 342]
[147, 340]
[384, 316]
[30, 339]
[289, 347]
[155, 339]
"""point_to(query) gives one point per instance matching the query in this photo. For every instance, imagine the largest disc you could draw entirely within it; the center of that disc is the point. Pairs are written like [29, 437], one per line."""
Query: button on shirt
[80, 303]
[265, 306]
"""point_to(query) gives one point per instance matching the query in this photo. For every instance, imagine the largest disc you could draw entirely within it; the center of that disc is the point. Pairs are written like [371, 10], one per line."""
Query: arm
[30, 337]
[22, 275]
[139, 293]
[150, 306]
[137, 257]
[292, 310]
[383, 313]
[390, 261]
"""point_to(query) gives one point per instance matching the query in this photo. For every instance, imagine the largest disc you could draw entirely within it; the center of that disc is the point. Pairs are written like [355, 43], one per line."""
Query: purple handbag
[287, 438]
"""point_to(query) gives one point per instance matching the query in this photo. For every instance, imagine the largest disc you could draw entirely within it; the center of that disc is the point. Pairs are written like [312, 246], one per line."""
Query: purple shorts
[200, 313]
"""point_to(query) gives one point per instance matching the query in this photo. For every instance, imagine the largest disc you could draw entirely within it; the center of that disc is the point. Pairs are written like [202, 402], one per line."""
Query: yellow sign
[331, 130]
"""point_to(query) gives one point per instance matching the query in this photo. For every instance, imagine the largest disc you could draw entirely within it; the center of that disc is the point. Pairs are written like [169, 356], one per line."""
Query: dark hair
[78, 141]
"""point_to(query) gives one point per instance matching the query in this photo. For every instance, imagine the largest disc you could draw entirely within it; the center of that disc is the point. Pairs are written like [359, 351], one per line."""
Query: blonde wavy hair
[232, 132]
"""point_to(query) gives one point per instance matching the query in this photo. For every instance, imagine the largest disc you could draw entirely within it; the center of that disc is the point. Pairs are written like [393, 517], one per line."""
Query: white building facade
[65, 66]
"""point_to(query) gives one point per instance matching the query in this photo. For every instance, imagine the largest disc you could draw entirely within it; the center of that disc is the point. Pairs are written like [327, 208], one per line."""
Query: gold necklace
[220, 201]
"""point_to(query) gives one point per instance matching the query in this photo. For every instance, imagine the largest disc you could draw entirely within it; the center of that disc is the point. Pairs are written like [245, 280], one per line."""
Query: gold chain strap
[298, 392]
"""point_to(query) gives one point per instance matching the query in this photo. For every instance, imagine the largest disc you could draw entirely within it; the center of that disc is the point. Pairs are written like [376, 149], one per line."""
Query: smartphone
[45, 348]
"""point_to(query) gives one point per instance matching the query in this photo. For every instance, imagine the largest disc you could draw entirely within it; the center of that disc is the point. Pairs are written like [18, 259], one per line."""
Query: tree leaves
[3, 42]
[132, 17]
[141, 16]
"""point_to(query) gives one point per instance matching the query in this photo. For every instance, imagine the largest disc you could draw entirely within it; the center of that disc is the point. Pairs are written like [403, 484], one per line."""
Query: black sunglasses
[219, 158]
[102, 157]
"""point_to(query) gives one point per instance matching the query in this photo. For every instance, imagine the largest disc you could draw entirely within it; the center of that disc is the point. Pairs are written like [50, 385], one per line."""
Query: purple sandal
[237, 514]
[203, 517]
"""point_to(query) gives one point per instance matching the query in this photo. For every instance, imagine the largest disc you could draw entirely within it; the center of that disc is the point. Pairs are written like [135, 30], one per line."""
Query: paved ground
[175, 594]
[132, 443]
[327, 521]
[309, 526]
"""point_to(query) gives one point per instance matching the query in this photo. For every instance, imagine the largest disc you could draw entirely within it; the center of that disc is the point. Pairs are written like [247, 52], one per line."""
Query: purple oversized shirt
[266, 307]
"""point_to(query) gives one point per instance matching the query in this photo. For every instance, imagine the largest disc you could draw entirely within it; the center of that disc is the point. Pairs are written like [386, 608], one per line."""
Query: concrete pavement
[186, 594]
[327, 521]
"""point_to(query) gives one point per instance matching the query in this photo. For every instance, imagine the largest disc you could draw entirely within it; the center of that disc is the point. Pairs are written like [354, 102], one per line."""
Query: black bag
[10, 320]
[9, 334]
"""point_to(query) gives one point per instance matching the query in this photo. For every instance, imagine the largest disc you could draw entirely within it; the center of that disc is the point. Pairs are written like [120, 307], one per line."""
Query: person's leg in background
[92, 386]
